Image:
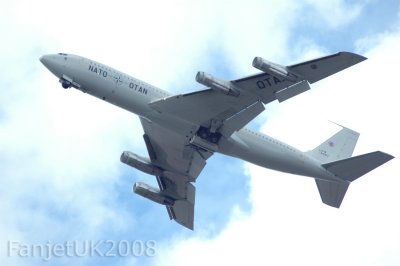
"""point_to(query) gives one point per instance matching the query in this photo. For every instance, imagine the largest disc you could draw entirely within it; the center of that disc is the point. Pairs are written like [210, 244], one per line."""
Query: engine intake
[222, 86]
[152, 193]
[274, 69]
[141, 163]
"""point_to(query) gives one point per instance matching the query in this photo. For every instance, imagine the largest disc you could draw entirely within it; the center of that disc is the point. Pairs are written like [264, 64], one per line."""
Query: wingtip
[353, 56]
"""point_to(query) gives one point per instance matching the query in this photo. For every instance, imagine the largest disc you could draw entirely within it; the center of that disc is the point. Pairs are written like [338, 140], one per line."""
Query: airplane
[182, 131]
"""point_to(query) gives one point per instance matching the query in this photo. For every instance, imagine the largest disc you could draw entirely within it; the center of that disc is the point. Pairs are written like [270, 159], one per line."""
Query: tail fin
[339, 146]
[335, 156]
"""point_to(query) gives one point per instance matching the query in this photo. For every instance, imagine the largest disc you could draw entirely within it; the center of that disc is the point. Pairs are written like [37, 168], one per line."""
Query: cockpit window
[63, 54]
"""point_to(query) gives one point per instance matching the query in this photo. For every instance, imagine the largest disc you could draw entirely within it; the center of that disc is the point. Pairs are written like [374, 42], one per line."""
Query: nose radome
[45, 59]
[53, 63]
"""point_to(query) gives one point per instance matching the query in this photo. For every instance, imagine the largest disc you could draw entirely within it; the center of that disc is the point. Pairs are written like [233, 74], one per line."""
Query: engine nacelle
[216, 84]
[273, 69]
[141, 163]
[152, 193]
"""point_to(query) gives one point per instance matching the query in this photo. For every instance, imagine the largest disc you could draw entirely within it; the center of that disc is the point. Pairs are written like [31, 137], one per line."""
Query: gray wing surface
[317, 69]
[183, 209]
[270, 88]
[210, 108]
[182, 163]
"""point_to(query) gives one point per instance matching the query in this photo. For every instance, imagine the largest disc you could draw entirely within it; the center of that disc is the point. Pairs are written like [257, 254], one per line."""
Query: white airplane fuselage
[134, 95]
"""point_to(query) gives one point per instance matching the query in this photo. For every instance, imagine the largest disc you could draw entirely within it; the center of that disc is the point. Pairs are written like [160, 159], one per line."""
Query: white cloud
[335, 14]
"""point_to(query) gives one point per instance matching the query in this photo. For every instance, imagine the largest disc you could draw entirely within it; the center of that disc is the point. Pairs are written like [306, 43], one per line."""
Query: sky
[60, 176]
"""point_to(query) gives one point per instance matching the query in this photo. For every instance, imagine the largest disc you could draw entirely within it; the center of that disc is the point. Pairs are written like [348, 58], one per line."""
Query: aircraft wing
[182, 151]
[270, 86]
[207, 108]
[226, 114]
[182, 163]
[183, 209]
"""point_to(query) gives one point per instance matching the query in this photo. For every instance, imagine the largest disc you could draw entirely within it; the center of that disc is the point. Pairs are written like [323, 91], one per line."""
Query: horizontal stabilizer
[352, 168]
[332, 193]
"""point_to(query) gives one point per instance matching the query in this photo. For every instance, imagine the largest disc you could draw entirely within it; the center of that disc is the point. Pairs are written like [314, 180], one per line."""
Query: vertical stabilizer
[339, 146]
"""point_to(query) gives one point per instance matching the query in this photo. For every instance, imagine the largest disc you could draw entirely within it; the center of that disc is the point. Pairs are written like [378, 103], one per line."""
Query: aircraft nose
[52, 63]
[46, 60]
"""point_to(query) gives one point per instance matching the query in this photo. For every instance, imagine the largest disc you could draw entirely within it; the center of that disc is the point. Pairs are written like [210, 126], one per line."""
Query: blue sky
[61, 179]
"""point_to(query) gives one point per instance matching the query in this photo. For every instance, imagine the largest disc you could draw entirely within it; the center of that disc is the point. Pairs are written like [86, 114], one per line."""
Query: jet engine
[273, 69]
[152, 193]
[216, 84]
[141, 163]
